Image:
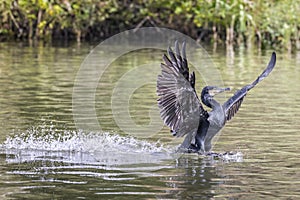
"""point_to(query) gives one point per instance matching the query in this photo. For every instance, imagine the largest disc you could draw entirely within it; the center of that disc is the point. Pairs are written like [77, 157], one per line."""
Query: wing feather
[178, 102]
[232, 105]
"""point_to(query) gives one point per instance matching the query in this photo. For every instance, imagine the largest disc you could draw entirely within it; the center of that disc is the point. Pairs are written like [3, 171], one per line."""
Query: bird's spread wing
[232, 105]
[178, 102]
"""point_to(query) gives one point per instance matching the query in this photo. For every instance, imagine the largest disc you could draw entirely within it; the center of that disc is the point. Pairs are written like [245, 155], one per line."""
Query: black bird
[181, 109]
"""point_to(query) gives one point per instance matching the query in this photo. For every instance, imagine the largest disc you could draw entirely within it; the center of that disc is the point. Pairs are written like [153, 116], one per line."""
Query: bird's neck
[214, 104]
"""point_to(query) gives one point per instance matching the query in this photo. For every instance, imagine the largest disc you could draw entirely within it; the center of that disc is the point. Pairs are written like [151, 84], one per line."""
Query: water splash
[47, 143]
[79, 147]
[79, 141]
[226, 156]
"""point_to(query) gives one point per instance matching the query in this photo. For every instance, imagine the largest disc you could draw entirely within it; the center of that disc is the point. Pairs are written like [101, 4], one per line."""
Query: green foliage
[274, 22]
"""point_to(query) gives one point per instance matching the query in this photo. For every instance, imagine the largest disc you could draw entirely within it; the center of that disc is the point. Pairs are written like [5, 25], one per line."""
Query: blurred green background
[266, 24]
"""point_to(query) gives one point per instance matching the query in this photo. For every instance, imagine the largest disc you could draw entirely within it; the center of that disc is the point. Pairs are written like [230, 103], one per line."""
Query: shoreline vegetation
[265, 24]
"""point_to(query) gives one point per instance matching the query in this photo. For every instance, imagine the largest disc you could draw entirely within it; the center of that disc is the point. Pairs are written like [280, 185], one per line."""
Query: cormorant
[181, 109]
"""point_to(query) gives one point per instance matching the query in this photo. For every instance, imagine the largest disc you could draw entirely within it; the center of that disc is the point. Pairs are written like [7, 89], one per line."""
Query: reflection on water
[44, 157]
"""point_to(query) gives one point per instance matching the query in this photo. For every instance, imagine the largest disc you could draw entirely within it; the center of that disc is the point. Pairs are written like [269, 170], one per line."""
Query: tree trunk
[229, 35]
[249, 37]
[258, 39]
[78, 35]
[30, 33]
[38, 21]
[215, 33]
[230, 31]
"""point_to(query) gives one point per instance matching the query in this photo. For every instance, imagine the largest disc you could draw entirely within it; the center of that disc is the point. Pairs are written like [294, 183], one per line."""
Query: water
[44, 156]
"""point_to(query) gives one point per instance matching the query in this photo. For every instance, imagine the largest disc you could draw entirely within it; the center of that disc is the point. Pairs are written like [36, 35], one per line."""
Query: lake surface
[44, 155]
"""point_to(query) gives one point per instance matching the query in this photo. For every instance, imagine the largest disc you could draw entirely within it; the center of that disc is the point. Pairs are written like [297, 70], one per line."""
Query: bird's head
[209, 92]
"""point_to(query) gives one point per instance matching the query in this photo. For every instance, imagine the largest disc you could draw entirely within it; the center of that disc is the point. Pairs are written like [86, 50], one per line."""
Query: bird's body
[181, 109]
[216, 121]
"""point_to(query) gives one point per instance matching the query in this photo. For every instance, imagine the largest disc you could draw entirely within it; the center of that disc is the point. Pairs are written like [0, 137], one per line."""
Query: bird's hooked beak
[217, 90]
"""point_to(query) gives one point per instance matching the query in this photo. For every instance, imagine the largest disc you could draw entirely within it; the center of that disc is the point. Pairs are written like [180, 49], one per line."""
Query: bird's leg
[193, 148]
[201, 136]
[199, 142]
